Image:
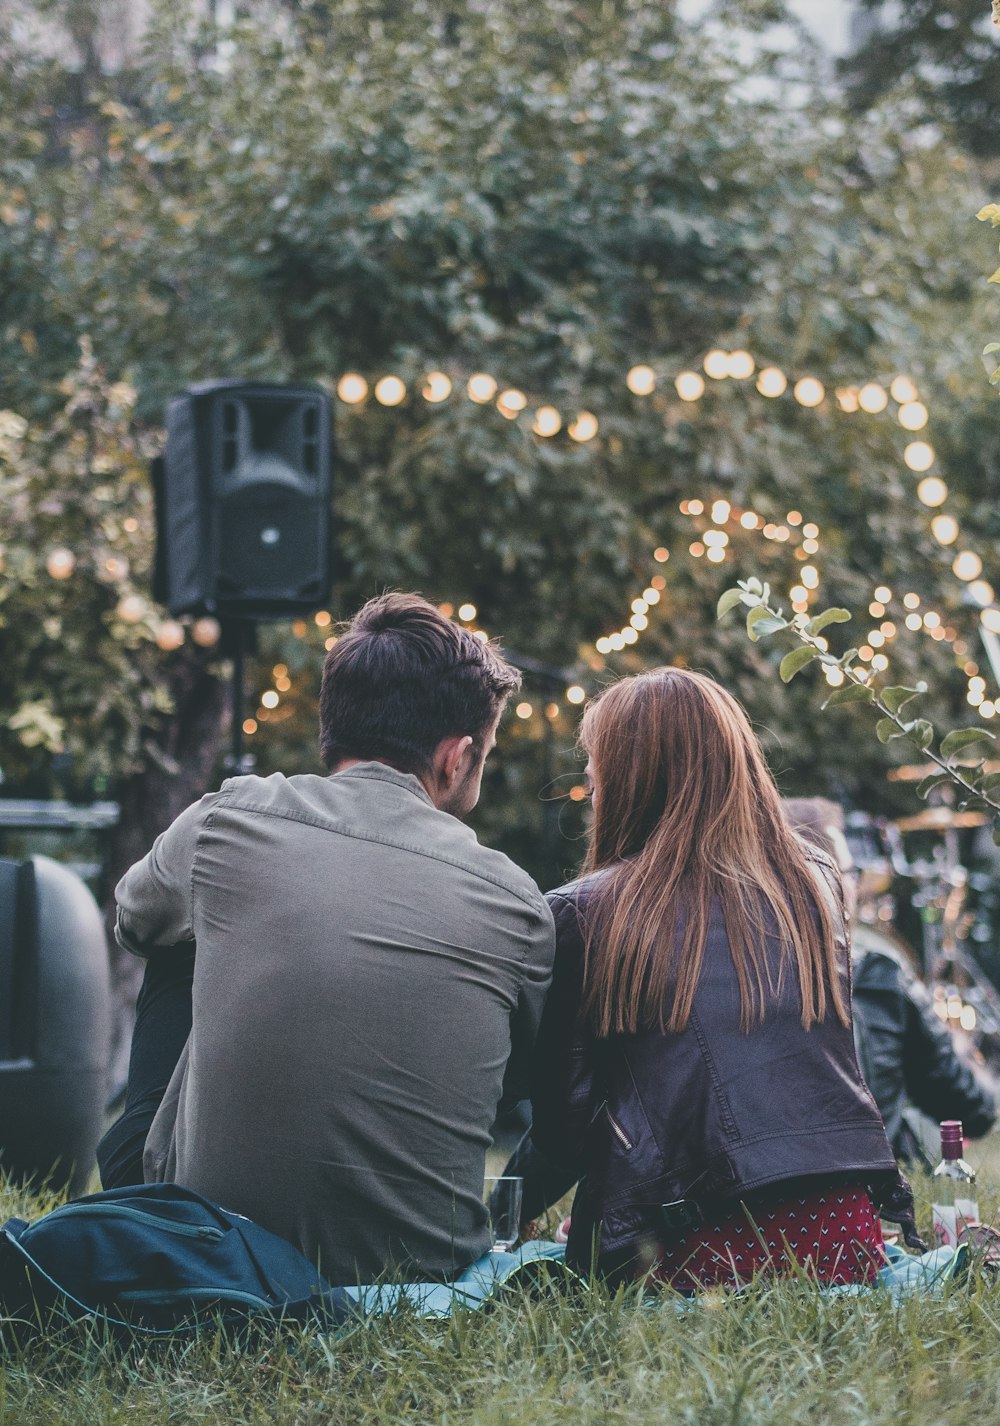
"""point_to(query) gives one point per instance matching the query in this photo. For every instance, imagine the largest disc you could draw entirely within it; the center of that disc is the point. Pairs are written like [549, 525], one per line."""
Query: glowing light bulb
[467, 612]
[584, 428]
[639, 621]
[270, 699]
[170, 635]
[919, 455]
[323, 619]
[716, 364]
[981, 591]
[641, 381]
[716, 554]
[835, 676]
[718, 538]
[390, 391]
[944, 528]
[914, 622]
[903, 390]
[883, 594]
[913, 416]
[206, 632]
[690, 386]
[749, 520]
[932, 620]
[61, 562]
[695, 507]
[651, 595]
[809, 576]
[741, 365]
[808, 391]
[480, 388]
[772, 382]
[798, 595]
[524, 710]
[603, 645]
[547, 421]
[847, 399]
[249, 726]
[131, 609]
[630, 635]
[352, 388]
[511, 402]
[436, 387]
[911, 601]
[932, 491]
[661, 554]
[873, 398]
[720, 511]
[990, 619]
[967, 565]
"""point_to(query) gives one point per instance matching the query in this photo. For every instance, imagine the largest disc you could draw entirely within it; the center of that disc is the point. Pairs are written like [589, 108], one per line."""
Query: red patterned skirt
[835, 1235]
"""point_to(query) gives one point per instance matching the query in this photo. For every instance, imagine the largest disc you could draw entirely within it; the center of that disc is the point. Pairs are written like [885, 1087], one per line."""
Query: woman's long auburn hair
[686, 811]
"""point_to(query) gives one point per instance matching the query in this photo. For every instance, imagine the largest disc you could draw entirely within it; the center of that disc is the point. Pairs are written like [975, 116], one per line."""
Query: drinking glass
[503, 1199]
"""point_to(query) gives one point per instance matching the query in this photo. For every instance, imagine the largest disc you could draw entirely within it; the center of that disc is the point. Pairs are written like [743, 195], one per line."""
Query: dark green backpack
[157, 1259]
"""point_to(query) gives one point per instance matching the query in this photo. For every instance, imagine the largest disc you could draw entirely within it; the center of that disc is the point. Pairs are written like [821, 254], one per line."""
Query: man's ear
[450, 755]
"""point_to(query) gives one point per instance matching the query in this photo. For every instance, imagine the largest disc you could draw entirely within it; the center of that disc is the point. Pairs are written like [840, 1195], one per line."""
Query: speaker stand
[239, 636]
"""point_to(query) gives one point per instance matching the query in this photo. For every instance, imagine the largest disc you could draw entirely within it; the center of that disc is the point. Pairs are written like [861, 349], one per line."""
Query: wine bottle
[954, 1206]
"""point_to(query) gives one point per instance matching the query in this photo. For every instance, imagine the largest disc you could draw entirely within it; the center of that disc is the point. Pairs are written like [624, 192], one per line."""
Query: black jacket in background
[907, 1055]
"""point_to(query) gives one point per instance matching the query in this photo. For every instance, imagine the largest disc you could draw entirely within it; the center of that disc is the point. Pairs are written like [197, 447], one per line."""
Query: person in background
[695, 1066]
[338, 972]
[907, 1054]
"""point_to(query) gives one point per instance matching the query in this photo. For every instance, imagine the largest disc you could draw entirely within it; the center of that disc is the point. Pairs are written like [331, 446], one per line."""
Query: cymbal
[940, 819]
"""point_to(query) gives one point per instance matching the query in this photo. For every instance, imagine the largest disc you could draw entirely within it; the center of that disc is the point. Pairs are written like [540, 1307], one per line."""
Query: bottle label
[950, 1219]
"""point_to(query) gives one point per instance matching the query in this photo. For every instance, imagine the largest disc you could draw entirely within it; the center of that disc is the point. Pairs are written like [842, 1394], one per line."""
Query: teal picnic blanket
[535, 1263]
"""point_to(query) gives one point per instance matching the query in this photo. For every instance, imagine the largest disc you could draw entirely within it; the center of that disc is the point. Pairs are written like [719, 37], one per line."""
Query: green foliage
[546, 194]
[974, 784]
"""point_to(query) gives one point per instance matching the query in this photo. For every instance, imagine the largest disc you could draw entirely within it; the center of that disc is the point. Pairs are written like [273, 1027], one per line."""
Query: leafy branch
[978, 788]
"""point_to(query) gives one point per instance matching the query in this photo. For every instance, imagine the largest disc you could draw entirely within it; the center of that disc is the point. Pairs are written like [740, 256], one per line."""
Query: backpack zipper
[180, 1230]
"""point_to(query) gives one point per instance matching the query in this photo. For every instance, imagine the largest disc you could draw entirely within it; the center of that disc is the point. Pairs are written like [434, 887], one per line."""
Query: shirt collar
[382, 772]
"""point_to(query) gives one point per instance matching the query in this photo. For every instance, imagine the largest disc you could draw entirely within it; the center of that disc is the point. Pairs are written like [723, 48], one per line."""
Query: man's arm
[526, 1016]
[155, 895]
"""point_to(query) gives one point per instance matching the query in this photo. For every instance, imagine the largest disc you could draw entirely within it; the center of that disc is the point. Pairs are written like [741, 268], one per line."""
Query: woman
[695, 1064]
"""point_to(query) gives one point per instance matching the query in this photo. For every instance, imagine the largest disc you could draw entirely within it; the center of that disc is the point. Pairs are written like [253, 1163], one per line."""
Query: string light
[873, 398]
[911, 601]
[641, 381]
[584, 428]
[990, 619]
[480, 388]
[436, 387]
[932, 491]
[690, 386]
[716, 364]
[270, 699]
[808, 391]
[323, 619]
[467, 612]
[390, 391]
[967, 565]
[547, 421]
[741, 365]
[661, 554]
[944, 528]
[919, 455]
[524, 710]
[131, 609]
[981, 591]
[883, 594]
[61, 562]
[207, 632]
[847, 399]
[249, 726]
[903, 390]
[720, 511]
[511, 402]
[352, 388]
[912, 416]
[772, 382]
[170, 635]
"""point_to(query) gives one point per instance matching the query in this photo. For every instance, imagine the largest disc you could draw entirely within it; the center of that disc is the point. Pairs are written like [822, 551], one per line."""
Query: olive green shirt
[362, 968]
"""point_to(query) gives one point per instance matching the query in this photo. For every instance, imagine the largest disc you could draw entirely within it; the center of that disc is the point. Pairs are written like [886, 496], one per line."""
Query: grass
[784, 1354]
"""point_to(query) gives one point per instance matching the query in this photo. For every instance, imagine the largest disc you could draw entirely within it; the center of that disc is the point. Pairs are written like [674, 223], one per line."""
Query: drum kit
[921, 860]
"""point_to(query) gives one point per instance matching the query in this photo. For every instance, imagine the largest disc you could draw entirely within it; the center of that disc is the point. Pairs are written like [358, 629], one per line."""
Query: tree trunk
[180, 764]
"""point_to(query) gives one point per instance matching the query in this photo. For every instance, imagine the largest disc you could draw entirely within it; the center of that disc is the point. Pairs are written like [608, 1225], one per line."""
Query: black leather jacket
[907, 1055]
[661, 1128]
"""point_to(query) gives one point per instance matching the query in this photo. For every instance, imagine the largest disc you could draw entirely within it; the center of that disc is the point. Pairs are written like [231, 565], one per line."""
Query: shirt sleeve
[526, 1016]
[154, 897]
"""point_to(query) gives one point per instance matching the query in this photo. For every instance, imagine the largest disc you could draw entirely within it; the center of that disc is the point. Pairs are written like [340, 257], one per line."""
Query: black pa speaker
[243, 500]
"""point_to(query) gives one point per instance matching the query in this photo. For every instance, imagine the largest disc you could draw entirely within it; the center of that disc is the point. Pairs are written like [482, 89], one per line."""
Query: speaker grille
[269, 547]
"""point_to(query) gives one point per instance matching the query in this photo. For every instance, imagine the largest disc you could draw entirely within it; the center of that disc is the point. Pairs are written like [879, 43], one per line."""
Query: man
[362, 969]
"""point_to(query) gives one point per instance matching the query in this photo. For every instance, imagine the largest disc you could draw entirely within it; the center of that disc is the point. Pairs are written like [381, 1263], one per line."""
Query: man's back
[359, 959]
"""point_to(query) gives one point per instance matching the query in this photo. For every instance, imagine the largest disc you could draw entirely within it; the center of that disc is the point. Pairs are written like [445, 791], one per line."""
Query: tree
[549, 196]
[946, 55]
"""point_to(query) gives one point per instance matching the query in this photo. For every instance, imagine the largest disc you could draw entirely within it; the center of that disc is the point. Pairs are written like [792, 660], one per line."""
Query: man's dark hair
[400, 678]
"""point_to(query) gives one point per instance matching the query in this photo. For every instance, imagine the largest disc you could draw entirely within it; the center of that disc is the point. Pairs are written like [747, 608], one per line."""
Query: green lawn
[786, 1354]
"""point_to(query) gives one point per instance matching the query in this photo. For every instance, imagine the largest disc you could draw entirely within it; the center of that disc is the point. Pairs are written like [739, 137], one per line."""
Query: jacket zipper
[152, 1220]
[622, 1137]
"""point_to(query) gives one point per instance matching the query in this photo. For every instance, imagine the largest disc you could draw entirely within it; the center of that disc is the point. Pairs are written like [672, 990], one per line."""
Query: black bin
[55, 1023]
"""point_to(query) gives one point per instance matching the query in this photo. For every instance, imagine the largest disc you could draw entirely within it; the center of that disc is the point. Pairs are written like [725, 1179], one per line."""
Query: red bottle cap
[951, 1139]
